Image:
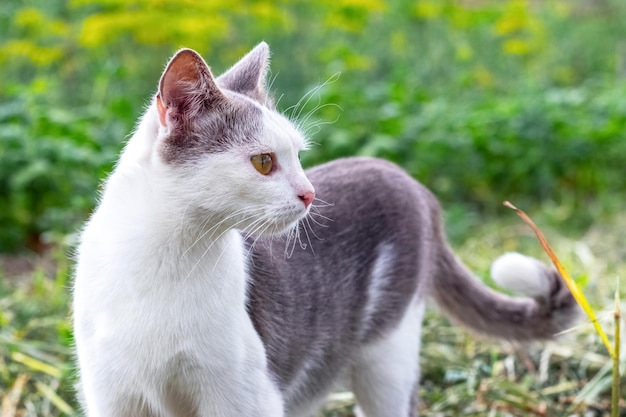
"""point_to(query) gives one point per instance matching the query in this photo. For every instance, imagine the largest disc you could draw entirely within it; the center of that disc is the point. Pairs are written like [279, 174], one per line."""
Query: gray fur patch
[228, 124]
[311, 309]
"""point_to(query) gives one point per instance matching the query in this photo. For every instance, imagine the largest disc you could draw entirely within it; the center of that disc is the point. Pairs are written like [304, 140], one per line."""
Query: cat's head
[231, 156]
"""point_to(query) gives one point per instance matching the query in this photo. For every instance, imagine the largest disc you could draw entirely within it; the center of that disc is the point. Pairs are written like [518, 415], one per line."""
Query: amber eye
[262, 163]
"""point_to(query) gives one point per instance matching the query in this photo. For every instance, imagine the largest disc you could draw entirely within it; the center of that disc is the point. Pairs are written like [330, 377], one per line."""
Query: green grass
[36, 369]
[462, 374]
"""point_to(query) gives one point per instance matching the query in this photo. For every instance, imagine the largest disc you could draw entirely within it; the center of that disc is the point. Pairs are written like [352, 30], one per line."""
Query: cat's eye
[263, 163]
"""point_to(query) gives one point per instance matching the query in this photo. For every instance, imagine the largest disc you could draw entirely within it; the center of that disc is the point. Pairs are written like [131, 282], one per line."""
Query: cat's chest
[173, 325]
[156, 305]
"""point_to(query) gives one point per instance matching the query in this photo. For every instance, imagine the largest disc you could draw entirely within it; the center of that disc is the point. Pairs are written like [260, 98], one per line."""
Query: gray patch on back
[309, 308]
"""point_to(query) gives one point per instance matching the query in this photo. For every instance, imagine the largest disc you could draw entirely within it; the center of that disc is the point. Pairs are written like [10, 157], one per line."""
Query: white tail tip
[521, 274]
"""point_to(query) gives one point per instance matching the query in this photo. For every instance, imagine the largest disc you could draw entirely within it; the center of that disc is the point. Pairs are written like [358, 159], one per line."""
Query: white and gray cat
[187, 305]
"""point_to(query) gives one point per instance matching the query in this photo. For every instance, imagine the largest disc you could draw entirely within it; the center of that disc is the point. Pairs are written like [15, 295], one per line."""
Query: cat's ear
[186, 88]
[249, 75]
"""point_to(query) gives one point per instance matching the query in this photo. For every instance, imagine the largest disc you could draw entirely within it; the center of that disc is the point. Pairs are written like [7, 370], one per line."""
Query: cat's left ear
[187, 88]
[249, 75]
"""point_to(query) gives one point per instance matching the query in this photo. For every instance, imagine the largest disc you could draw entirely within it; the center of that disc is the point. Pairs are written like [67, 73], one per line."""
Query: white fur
[521, 274]
[159, 304]
[378, 278]
[386, 372]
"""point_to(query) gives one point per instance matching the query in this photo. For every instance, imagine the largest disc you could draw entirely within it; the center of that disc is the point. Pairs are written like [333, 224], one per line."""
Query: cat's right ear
[186, 88]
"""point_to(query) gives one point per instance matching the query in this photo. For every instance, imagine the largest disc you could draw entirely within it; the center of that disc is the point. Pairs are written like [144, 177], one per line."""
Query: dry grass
[461, 374]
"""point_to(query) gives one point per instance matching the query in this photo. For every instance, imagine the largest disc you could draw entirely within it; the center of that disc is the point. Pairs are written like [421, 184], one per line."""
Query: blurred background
[480, 100]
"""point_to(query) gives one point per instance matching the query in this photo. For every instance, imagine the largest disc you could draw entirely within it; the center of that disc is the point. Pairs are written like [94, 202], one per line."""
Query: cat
[192, 298]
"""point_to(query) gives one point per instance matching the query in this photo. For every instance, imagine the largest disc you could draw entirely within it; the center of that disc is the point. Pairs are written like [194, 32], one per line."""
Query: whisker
[320, 215]
[306, 219]
[324, 203]
[263, 227]
[213, 228]
[290, 235]
[296, 110]
[314, 128]
[216, 240]
[308, 238]
[333, 78]
[296, 237]
[319, 106]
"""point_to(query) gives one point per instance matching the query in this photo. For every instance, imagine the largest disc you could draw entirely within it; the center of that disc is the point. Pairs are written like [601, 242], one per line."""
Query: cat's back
[371, 199]
[345, 175]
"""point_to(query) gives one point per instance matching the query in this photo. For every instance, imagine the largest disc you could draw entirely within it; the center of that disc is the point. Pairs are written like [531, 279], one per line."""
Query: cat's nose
[307, 197]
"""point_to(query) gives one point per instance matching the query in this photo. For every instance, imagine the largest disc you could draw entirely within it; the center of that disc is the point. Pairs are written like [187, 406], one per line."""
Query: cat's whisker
[234, 226]
[213, 228]
[316, 211]
[318, 107]
[310, 217]
[321, 216]
[262, 229]
[307, 220]
[296, 107]
[308, 238]
[314, 128]
[296, 237]
[290, 235]
[202, 235]
[315, 91]
[303, 122]
[255, 227]
[308, 100]
[296, 110]
[324, 202]
[216, 240]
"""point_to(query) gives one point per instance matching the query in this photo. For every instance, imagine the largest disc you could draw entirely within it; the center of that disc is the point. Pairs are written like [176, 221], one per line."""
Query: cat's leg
[249, 394]
[386, 373]
[119, 406]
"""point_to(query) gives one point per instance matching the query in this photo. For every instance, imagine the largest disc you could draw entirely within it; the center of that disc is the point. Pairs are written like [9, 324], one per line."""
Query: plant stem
[571, 284]
[615, 393]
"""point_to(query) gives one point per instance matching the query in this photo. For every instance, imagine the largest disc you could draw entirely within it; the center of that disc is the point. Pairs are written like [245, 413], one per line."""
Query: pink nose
[307, 197]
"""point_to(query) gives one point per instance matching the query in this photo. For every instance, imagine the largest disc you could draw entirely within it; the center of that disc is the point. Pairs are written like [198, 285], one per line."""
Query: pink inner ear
[186, 87]
[186, 67]
[162, 110]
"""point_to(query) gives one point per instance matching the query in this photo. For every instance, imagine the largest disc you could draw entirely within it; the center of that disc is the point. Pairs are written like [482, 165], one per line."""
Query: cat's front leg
[114, 402]
[261, 399]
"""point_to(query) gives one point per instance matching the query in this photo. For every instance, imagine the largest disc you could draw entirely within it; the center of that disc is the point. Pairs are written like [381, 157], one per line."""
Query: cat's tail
[546, 309]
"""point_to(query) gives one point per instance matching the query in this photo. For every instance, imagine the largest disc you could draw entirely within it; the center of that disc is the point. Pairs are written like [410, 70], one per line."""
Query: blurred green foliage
[480, 100]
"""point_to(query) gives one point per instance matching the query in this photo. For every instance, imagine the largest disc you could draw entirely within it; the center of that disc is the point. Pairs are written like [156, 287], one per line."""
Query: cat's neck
[139, 223]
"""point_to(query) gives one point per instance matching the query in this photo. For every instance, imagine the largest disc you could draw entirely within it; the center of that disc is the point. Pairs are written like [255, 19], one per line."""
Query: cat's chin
[282, 229]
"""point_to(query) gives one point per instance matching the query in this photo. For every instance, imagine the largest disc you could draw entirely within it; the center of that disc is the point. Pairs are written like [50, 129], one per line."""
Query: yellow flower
[29, 17]
[38, 55]
[428, 9]
[516, 47]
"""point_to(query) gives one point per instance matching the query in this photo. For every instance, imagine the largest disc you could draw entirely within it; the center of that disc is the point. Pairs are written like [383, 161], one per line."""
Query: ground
[462, 374]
